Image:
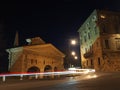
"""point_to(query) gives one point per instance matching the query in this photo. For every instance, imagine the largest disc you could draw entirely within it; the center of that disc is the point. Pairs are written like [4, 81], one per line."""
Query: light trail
[70, 71]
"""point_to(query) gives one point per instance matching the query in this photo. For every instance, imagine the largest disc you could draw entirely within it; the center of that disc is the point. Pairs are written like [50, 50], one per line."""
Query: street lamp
[72, 56]
[75, 57]
[73, 42]
[73, 53]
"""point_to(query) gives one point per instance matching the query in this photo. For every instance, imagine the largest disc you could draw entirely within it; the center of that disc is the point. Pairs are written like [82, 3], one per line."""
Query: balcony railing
[88, 54]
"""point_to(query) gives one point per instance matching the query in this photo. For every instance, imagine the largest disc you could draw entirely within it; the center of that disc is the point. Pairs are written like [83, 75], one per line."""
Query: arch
[47, 68]
[33, 69]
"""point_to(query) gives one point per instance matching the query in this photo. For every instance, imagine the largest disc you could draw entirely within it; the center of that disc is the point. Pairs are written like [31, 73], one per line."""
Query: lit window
[118, 43]
[102, 16]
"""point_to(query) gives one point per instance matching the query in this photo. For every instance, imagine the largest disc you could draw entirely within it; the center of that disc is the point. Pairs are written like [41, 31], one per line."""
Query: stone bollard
[36, 76]
[4, 78]
[21, 77]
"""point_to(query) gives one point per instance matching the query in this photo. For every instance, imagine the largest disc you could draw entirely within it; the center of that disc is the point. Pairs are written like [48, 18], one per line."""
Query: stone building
[100, 41]
[37, 56]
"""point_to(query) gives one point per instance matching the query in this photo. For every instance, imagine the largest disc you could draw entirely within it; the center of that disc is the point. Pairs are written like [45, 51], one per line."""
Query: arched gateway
[47, 68]
[33, 69]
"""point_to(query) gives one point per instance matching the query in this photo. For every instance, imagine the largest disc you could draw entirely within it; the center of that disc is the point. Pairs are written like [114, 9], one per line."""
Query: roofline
[44, 45]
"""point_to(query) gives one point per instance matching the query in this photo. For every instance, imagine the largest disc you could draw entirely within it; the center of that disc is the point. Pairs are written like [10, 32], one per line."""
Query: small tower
[16, 40]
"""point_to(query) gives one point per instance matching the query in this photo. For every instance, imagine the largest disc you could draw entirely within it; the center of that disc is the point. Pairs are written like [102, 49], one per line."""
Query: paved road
[99, 81]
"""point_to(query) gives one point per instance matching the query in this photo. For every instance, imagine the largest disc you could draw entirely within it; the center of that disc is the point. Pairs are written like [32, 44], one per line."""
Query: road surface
[97, 81]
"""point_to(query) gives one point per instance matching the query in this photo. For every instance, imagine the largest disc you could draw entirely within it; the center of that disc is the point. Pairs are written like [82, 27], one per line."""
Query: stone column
[52, 75]
[22, 63]
[41, 73]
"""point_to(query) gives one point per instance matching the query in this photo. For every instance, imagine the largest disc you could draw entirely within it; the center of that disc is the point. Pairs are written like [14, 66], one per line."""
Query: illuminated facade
[100, 41]
[37, 56]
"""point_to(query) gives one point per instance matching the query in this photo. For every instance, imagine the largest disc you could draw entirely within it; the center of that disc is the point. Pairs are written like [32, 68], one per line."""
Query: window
[91, 62]
[118, 43]
[103, 16]
[25, 60]
[94, 18]
[52, 62]
[85, 38]
[87, 62]
[107, 44]
[91, 49]
[31, 61]
[85, 50]
[80, 41]
[98, 61]
[88, 35]
[87, 24]
[95, 29]
[36, 61]
[104, 28]
[89, 28]
[97, 44]
[44, 62]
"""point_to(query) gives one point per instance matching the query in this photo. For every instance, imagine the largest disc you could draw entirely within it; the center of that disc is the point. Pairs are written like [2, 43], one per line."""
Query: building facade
[100, 41]
[37, 56]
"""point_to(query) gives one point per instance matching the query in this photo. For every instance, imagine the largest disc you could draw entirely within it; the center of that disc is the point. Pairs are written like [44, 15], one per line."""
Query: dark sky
[54, 21]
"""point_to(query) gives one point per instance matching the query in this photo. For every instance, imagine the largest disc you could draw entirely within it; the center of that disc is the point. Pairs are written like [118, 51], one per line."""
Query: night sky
[55, 22]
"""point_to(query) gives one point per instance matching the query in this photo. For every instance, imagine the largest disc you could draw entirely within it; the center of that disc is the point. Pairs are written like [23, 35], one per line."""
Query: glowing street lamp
[76, 57]
[73, 53]
[73, 42]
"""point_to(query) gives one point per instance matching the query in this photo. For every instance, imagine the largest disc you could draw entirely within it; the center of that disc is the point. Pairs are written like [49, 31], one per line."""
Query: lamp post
[73, 56]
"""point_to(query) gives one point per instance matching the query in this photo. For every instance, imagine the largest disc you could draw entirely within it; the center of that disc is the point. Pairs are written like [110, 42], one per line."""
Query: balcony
[88, 54]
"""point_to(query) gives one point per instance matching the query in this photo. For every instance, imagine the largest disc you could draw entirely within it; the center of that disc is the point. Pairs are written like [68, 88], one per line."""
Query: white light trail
[70, 71]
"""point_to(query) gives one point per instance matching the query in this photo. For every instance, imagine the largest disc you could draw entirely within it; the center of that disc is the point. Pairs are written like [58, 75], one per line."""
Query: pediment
[45, 49]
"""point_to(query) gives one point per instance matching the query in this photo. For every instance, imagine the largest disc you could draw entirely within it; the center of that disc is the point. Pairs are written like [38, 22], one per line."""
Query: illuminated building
[37, 56]
[100, 41]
